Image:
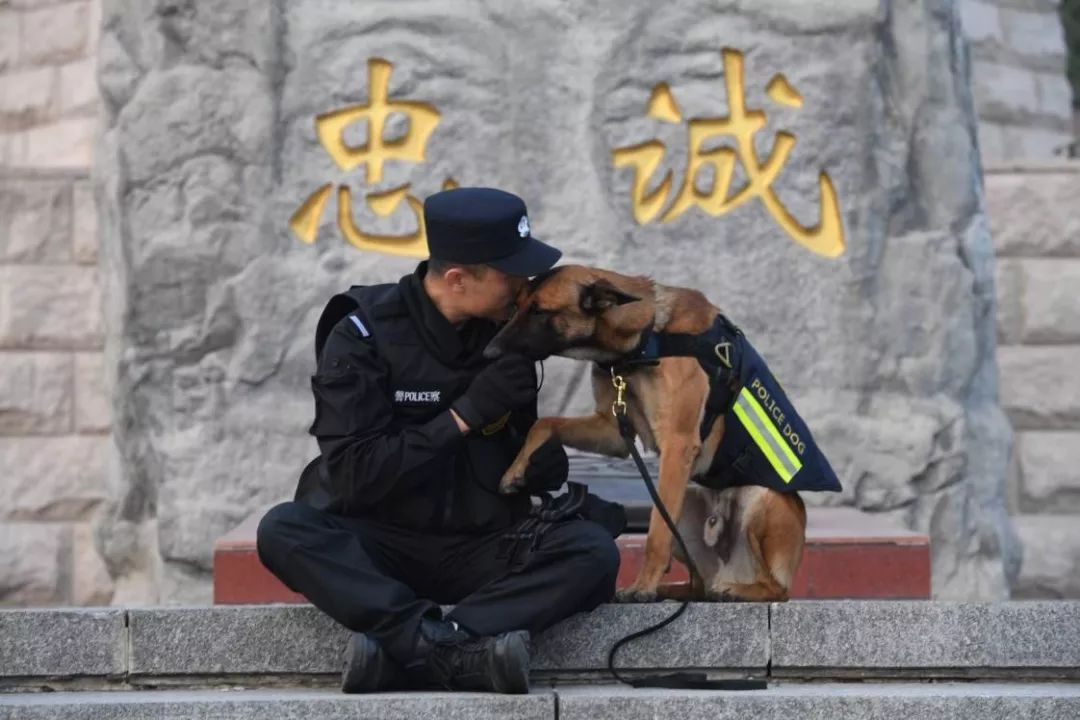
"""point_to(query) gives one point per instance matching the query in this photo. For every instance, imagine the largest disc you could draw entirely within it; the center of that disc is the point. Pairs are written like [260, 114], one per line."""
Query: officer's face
[491, 294]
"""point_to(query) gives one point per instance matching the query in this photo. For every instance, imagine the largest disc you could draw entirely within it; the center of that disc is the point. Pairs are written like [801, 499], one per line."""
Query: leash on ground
[679, 680]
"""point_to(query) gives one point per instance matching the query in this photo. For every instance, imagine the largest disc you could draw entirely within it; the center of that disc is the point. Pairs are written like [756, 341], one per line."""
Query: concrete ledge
[284, 639]
[968, 701]
[719, 637]
[272, 645]
[274, 705]
[62, 643]
[937, 639]
[271, 639]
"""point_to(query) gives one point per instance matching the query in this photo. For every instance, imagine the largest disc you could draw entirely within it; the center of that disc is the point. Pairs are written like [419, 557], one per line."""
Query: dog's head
[578, 312]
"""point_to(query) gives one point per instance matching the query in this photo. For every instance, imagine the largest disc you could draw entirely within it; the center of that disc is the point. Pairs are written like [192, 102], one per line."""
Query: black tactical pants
[381, 580]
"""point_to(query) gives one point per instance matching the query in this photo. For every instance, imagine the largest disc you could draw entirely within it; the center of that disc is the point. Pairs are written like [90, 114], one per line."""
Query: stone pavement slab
[289, 704]
[289, 639]
[827, 701]
[59, 643]
[933, 639]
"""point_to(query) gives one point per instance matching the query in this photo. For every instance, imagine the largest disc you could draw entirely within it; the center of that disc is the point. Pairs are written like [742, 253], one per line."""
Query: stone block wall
[1036, 230]
[48, 91]
[54, 412]
[1022, 95]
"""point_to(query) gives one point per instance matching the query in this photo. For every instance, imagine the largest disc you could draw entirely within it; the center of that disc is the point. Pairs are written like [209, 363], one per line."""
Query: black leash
[679, 680]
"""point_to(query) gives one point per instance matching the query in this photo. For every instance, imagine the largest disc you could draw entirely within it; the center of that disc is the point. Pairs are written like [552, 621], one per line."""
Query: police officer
[400, 511]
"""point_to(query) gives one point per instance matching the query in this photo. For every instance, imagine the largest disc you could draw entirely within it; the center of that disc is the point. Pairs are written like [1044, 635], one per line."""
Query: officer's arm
[365, 455]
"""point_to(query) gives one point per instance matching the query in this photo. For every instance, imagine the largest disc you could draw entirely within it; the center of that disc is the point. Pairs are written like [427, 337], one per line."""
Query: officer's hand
[505, 384]
[548, 467]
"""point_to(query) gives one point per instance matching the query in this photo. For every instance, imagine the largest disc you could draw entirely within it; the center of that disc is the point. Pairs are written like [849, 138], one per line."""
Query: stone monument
[812, 167]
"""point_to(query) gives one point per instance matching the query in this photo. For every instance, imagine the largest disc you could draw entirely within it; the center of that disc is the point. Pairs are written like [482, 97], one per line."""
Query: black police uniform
[400, 512]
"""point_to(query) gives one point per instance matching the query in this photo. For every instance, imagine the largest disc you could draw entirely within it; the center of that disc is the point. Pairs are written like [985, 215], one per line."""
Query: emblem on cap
[523, 226]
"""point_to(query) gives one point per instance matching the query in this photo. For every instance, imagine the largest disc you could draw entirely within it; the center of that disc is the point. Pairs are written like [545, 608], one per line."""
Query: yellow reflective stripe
[765, 436]
[771, 427]
[751, 427]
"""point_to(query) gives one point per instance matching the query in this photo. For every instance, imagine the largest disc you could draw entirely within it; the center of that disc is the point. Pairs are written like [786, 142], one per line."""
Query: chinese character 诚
[826, 238]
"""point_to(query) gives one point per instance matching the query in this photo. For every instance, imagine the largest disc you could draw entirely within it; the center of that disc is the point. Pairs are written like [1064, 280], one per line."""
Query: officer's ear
[601, 295]
[454, 277]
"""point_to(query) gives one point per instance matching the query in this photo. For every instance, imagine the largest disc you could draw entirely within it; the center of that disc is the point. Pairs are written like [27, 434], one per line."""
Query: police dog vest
[765, 440]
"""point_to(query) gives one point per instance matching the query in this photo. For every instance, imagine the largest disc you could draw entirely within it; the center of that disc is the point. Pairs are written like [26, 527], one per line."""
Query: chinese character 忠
[330, 127]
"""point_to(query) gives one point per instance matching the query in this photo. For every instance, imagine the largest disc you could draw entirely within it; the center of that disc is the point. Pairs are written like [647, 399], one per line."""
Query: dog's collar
[714, 348]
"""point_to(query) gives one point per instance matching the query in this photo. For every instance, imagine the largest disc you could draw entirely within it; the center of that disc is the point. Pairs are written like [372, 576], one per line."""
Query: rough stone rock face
[211, 301]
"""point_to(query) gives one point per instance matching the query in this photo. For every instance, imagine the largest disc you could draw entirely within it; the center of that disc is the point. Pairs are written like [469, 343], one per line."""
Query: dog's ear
[602, 295]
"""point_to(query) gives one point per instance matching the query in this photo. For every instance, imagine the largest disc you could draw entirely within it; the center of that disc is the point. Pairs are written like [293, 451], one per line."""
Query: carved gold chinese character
[330, 128]
[826, 238]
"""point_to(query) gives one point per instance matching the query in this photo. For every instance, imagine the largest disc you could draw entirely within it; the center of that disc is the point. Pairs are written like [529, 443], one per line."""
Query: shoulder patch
[360, 326]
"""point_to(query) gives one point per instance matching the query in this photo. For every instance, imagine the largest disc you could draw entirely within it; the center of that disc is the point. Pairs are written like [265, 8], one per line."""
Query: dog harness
[765, 440]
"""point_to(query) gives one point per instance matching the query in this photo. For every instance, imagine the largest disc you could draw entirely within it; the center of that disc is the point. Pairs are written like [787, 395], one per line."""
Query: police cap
[485, 226]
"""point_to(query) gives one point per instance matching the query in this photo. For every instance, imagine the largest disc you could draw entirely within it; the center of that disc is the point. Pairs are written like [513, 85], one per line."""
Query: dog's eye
[712, 521]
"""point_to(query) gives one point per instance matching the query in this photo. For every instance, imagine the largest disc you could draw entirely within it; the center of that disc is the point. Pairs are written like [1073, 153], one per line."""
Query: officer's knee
[600, 548]
[273, 537]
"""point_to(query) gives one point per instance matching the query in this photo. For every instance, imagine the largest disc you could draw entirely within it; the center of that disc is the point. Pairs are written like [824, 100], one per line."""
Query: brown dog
[747, 540]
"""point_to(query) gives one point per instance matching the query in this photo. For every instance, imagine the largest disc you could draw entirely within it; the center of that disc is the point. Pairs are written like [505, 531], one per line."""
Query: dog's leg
[693, 590]
[765, 587]
[596, 433]
[677, 456]
[696, 507]
[775, 539]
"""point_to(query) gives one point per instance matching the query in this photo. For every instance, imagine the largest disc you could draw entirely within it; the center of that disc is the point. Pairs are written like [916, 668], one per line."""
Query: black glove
[548, 467]
[505, 384]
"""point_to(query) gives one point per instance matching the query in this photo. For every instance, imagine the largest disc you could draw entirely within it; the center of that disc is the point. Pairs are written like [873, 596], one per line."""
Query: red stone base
[848, 554]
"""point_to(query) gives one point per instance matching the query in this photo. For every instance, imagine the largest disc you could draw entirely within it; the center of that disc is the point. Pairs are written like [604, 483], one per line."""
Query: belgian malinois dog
[747, 540]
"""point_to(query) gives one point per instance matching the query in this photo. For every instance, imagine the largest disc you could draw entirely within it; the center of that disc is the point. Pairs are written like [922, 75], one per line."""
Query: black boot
[431, 632]
[491, 664]
[367, 667]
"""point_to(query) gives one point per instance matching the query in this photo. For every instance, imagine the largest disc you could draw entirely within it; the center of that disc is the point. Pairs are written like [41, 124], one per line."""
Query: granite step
[271, 645]
[831, 701]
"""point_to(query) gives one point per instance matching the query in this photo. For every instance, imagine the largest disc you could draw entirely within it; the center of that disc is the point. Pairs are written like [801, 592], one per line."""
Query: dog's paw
[634, 595]
[723, 596]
